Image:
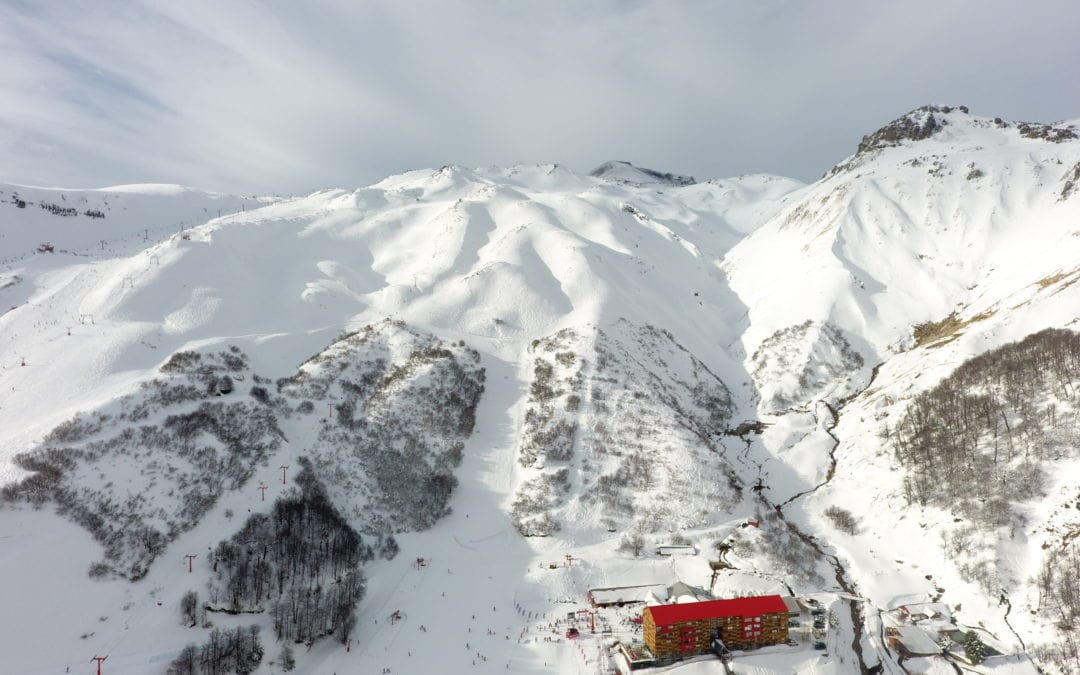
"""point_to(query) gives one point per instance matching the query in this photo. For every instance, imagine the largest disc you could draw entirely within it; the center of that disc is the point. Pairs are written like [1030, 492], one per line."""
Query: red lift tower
[591, 616]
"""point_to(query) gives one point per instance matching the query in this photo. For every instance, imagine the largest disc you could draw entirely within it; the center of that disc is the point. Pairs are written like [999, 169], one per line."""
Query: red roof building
[675, 631]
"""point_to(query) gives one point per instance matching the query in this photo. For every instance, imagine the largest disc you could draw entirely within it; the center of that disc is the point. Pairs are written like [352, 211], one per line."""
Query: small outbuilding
[793, 607]
[911, 641]
[676, 549]
[683, 592]
[618, 596]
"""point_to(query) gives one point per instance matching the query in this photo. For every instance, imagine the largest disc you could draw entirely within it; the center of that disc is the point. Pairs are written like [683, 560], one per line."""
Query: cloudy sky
[286, 96]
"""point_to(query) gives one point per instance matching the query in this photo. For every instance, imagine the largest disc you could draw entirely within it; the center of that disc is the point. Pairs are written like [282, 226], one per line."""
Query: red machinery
[591, 615]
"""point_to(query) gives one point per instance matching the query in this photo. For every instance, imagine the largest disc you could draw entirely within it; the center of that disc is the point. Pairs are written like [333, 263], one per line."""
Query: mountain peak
[932, 121]
[916, 125]
[625, 172]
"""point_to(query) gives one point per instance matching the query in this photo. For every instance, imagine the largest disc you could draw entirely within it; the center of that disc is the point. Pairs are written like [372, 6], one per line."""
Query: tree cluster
[531, 510]
[548, 433]
[1063, 654]
[977, 440]
[1059, 586]
[58, 210]
[302, 560]
[787, 553]
[192, 613]
[225, 652]
[403, 403]
[974, 649]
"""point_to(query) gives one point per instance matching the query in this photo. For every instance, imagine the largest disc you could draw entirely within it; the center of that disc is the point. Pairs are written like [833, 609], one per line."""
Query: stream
[848, 585]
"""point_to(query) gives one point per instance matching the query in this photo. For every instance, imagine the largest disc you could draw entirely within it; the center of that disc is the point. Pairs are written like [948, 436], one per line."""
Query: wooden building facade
[676, 631]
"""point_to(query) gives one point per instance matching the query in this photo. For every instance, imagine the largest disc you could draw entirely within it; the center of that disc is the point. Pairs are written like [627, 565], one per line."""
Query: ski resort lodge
[680, 630]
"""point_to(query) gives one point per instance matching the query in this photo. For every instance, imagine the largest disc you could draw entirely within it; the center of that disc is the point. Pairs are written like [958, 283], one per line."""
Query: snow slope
[73, 220]
[664, 359]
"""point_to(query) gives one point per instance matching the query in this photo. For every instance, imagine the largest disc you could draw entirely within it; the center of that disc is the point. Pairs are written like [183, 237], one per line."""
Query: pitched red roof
[665, 615]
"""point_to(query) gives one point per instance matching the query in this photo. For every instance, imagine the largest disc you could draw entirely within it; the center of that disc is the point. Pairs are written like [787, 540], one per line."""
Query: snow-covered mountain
[494, 369]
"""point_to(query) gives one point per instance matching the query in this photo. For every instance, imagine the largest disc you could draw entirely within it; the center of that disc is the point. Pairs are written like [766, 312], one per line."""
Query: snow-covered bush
[531, 509]
[621, 414]
[189, 609]
[403, 403]
[632, 543]
[800, 363]
[286, 658]
[549, 433]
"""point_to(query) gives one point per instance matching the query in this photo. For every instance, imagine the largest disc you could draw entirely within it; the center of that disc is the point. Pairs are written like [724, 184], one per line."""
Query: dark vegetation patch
[982, 444]
[148, 466]
[239, 650]
[138, 476]
[789, 556]
[549, 433]
[301, 562]
[1059, 597]
[1052, 133]
[976, 442]
[1068, 185]
[57, 210]
[532, 508]
[403, 404]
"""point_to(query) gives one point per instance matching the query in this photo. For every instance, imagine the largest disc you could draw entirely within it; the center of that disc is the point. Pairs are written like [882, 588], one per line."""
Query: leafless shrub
[632, 543]
[1059, 586]
[842, 519]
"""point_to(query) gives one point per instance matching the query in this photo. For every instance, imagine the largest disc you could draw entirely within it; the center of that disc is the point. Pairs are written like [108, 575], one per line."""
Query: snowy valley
[474, 420]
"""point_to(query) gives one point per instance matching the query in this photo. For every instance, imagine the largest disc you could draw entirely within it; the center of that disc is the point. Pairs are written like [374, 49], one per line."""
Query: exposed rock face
[1054, 133]
[914, 126]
